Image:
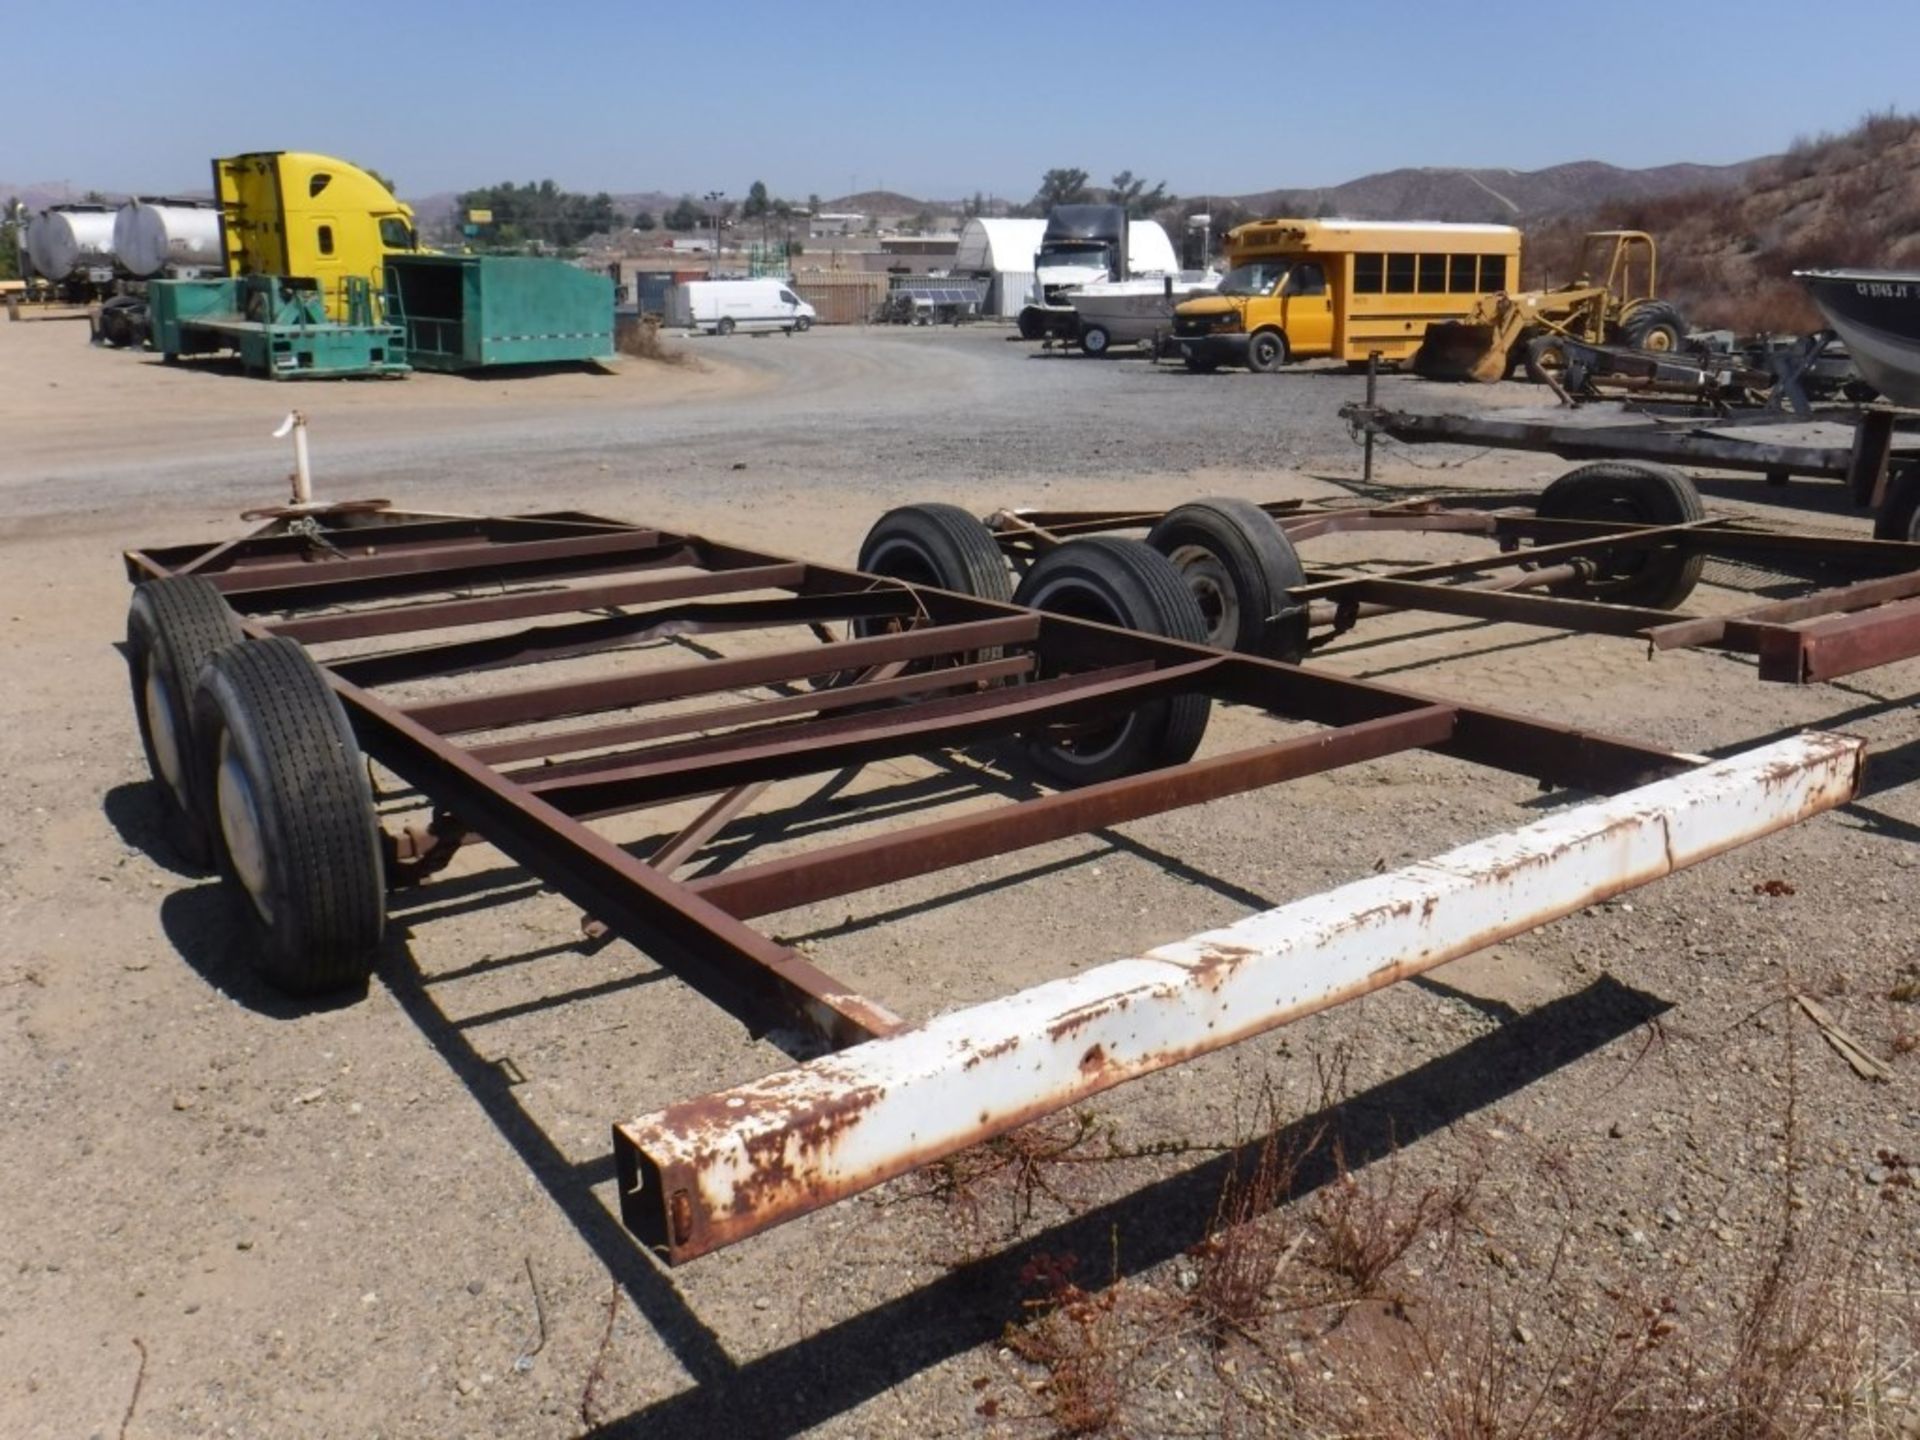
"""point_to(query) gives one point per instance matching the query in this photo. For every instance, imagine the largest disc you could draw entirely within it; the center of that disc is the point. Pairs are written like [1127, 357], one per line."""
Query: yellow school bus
[1301, 288]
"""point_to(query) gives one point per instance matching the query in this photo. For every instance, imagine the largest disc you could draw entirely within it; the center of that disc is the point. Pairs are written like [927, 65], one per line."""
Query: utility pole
[714, 197]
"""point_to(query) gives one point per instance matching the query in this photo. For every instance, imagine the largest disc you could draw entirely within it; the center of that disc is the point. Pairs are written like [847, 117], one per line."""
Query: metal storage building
[1001, 251]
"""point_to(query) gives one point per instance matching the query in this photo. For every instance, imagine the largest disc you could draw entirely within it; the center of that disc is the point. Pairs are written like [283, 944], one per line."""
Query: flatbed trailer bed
[379, 601]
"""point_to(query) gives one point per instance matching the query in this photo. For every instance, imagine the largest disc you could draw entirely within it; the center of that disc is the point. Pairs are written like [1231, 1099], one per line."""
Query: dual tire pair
[262, 780]
[1211, 573]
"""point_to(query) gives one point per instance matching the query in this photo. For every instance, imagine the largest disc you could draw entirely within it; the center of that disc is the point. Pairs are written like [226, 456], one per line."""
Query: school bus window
[1306, 279]
[1368, 271]
[1433, 274]
[1460, 274]
[1399, 274]
[1493, 272]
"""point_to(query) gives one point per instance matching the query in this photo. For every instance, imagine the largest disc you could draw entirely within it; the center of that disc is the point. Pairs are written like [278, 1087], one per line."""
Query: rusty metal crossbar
[527, 766]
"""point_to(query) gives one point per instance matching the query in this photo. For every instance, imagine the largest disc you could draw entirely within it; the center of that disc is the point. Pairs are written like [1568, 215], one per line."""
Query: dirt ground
[227, 1214]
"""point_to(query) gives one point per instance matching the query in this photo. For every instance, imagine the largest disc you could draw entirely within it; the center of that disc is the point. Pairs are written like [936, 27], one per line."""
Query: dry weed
[642, 341]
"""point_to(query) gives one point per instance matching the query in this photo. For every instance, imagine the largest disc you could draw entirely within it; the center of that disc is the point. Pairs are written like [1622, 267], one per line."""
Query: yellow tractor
[1619, 310]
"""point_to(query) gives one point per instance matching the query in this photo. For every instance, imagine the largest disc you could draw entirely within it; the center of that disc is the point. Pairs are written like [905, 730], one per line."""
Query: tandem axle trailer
[535, 677]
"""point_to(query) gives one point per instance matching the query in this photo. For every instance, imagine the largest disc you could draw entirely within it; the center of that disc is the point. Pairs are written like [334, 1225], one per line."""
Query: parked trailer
[266, 666]
[1613, 548]
[1879, 472]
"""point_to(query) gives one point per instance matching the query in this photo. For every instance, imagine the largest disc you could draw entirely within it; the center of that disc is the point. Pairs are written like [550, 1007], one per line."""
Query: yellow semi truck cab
[288, 212]
[1295, 289]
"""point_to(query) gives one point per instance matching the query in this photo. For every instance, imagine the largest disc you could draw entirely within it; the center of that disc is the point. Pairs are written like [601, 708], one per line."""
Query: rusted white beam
[707, 1172]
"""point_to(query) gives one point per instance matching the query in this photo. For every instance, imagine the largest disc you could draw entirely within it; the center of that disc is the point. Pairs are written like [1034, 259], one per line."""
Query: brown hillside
[1727, 256]
[1502, 196]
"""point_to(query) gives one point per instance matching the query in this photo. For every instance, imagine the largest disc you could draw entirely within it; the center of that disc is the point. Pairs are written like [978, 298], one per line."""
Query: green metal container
[471, 312]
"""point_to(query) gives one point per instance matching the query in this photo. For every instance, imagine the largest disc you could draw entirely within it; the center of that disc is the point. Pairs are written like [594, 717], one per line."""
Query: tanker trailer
[71, 248]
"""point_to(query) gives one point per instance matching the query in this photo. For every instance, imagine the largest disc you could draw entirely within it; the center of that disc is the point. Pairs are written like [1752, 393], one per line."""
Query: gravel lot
[229, 1215]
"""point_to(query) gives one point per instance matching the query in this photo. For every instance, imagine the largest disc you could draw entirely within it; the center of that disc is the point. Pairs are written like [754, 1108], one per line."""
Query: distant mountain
[1493, 195]
[881, 202]
[1408, 194]
[39, 194]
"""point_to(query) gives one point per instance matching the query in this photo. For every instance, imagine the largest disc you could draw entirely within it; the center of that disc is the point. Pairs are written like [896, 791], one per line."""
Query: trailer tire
[1898, 517]
[939, 545]
[932, 544]
[294, 827]
[174, 626]
[1635, 492]
[1094, 340]
[1129, 584]
[1239, 565]
[1654, 326]
[1033, 324]
[724, 325]
[1266, 351]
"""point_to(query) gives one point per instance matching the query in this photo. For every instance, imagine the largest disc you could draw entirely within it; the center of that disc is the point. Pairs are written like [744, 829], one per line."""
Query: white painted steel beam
[707, 1172]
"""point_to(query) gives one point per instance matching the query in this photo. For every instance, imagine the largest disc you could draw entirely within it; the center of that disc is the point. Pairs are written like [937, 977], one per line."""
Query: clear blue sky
[937, 101]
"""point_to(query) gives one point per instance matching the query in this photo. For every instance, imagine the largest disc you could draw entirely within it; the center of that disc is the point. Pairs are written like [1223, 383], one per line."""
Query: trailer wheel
[1634, 492]
[939, 545]
[1239, 565]
[1130, 584]
[174, 626]
[1266, 351]
[1654, 326]
[1033, 324]
[723, 326]
[1898, 517]
[294, 824]
[1094, 340]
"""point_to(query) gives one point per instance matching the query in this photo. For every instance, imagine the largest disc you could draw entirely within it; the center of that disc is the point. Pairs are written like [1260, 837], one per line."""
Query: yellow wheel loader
[1619, 310]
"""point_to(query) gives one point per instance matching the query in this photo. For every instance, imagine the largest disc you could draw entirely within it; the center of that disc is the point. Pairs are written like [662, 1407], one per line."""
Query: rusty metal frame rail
[710, 1171]
[1833, 631]
[527, 763]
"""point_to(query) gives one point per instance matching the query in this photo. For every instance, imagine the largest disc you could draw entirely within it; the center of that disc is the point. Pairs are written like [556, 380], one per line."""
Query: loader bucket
[1455, 351]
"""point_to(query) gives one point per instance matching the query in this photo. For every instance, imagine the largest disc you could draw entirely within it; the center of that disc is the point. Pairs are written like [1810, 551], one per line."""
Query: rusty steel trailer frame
[1869, 466]
[1865, 611]
[413, 597]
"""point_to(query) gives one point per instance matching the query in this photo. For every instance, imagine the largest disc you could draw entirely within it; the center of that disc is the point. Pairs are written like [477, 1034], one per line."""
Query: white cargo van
[721, 307]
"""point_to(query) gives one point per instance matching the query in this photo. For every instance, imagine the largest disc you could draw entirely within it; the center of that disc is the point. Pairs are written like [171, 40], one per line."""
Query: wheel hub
[1207, 578]
[240, 828]
[158, 699]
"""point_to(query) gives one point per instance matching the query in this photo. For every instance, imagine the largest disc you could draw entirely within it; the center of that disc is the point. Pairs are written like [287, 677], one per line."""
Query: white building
[1002, 252]
[841, 224]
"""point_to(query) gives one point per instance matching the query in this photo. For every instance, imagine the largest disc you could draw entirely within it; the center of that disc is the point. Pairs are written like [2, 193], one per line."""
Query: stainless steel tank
[70, 239]
[151, 236]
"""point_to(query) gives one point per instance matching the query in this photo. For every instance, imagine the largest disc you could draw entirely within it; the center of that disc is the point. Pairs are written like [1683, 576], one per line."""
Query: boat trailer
[533, 676]
[1879, 472]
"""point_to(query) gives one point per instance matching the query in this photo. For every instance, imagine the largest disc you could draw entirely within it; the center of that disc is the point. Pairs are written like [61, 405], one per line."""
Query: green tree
[541, 215]
[923, 222]
[1060, 187]
[976, 206]
[756, 203]
[11, 219]
[644, 221]
[813, 204]
[686, 215]
[1141, 202]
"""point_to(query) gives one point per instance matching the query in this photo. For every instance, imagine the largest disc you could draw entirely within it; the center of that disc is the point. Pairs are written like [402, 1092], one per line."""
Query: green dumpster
[470, 312]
